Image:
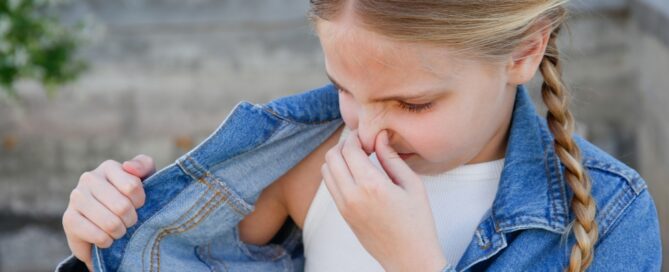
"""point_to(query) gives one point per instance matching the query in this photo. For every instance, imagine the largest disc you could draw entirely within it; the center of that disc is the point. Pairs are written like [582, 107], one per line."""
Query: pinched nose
[367, 140]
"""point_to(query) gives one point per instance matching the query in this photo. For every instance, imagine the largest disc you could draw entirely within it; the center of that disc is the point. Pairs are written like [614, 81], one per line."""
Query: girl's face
[442, 110]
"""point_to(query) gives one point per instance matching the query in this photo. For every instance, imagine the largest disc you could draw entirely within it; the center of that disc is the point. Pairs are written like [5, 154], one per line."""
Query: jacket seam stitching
[181, 218]
[195, 220]
[141, 226]
[224, 188]
[266, 108]
[549, 154]
[627, 175]
[612, 220]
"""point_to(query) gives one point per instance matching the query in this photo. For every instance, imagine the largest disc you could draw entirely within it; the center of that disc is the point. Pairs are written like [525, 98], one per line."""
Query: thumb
[398, 171]
[140, 166]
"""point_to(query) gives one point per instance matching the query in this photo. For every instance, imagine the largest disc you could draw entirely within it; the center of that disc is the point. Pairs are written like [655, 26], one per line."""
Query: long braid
[489, 29]
[561, 123]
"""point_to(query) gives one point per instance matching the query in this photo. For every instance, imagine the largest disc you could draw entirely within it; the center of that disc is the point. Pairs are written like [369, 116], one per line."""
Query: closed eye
[415, 108]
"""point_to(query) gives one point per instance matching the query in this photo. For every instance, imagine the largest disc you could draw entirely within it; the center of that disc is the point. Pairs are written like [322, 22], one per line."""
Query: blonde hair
[491, 30]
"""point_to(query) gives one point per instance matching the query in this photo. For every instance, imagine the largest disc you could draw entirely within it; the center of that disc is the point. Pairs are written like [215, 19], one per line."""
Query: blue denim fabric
[189, 221]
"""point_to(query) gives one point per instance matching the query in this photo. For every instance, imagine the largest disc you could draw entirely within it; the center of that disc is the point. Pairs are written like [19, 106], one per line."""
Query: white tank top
[459, 199]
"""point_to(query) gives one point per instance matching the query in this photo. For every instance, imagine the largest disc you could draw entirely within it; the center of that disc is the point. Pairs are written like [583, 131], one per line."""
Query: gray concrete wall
[616, 61]
[164, 74]
[649, 44]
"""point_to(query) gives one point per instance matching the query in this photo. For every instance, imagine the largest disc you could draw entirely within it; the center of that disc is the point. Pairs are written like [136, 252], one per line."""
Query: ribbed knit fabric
[459, 199]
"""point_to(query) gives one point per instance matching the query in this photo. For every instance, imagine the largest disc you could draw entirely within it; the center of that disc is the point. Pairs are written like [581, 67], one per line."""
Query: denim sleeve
[72, 264]
[633, 243]
[448, 268]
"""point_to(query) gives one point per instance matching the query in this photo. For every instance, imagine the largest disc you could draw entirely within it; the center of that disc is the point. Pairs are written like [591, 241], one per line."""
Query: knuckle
[141, 199]
[135, 179]
[86, 183]
[351, 203]
[108, 163]
[113, 226]
[107, 166]
[76, 197]
[373, 189]
[67, 218]
[133, 219]
[122, 207]
[86, 177]
[331, 154]
[102, 241]
[130, 188]
[120, 232]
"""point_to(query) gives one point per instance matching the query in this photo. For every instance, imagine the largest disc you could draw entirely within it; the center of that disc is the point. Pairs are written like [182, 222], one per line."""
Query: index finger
[129, 185]
[358, 162]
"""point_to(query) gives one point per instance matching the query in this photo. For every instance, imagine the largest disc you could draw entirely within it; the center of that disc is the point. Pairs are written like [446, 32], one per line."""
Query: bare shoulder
[290, 195]
[300, 184]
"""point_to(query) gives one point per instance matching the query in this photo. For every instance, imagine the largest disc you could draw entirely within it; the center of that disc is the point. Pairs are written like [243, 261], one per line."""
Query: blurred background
[124, 77]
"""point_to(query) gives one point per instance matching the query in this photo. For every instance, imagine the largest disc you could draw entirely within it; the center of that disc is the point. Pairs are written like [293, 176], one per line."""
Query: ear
[526, 58]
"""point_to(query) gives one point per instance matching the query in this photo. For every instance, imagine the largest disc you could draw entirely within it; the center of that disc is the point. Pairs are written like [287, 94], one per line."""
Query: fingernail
[135, 165]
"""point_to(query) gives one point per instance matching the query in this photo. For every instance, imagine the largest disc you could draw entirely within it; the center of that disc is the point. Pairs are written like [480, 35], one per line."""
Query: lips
[405, 156]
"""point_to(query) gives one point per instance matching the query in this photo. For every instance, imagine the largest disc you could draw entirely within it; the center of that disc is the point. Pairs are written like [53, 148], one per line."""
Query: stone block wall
[164, 74]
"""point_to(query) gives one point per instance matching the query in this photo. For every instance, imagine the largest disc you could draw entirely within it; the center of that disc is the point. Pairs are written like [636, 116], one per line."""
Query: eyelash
[415, 108]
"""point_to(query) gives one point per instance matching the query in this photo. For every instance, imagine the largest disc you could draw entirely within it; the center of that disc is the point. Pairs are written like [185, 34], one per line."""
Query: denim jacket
[193, 206]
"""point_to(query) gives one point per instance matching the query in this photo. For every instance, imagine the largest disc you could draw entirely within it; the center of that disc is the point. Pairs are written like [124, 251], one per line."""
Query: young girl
[443, 164]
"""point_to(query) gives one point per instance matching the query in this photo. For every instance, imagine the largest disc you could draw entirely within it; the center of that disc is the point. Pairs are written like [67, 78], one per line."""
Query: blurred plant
[35, 45]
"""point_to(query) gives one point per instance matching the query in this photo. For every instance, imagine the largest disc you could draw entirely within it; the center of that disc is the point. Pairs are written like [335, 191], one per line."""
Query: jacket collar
[531, 192]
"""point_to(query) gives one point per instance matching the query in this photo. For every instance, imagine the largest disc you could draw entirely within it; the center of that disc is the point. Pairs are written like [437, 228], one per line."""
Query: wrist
[423, 262]
[439, 265]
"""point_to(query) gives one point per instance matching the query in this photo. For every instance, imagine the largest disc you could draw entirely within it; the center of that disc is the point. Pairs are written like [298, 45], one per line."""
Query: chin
[427, 168]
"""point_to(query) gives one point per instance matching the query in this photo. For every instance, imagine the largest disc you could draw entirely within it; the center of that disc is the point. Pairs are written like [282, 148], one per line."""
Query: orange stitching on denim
[194, 221]
[162, 229]
[178, 220]
[155, 251]
[156, 246]
[206, 177]
[163, 233]
[187, 213]
[206, 173]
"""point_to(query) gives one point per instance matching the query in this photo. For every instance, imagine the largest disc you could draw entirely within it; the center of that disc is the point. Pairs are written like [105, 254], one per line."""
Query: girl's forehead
[360, 51]
[347, 38]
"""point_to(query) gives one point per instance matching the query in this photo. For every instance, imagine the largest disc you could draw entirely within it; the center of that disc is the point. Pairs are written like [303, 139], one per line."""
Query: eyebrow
[417, 95]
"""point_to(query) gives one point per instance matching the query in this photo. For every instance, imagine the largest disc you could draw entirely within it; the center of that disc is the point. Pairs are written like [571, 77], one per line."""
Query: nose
[368, 129]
